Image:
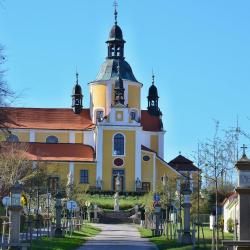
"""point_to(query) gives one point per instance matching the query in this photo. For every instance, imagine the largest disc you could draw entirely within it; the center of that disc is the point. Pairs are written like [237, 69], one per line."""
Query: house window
[132, 115]
[12, 138]
[99, 115]
[118, 144]
[84, 176]
[52, 139]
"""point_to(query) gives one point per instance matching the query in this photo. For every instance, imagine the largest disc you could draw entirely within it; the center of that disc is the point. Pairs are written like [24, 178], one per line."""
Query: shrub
[230, 225]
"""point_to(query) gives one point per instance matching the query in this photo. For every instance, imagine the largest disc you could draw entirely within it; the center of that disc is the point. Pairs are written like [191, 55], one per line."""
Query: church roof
[181, 163]
[109, 70]
[59, 152]
[64, 119]
[47, 118]
[150, 122]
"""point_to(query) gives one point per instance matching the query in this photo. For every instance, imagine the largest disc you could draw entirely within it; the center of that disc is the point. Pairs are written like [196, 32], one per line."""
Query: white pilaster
[88, 138]
[72, 169]
[138, 154]
[154, 173]
[125, 92]
[161, 145]
[71, 136]
[108, 97]
[32, 135]
[99, 151]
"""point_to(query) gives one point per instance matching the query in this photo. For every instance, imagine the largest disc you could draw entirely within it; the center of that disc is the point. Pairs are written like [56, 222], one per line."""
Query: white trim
[32, 135]
[88, 138]
[126, 92]
[154, 173]
[104, 82]
[137, 155]
[99, 152]
[124, 145]
[161, 145]
[72, 169]
[129, 127]
[71, 136]
[108, 97]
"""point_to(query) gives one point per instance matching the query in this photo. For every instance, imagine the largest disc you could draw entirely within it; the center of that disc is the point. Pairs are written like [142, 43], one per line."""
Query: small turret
[153, 97]
[77, 97]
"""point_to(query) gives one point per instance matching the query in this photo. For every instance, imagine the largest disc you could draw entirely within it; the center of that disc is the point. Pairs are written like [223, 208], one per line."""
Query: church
[112, 137]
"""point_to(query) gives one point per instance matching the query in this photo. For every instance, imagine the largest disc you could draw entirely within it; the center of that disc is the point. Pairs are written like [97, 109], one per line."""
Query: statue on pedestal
[116, 196]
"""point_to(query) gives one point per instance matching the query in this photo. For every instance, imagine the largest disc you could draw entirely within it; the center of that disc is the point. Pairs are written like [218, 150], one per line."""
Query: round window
[118, 162]
[146, 158]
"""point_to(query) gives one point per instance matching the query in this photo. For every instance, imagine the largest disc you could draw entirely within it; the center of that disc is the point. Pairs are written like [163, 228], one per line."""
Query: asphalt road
[118, 237]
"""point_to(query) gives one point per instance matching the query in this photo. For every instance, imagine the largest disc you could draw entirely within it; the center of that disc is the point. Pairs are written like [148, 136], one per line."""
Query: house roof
[47, 118]
[147, 149]
[62, 118]
[150, 122]
[59, 152]
[181, 163]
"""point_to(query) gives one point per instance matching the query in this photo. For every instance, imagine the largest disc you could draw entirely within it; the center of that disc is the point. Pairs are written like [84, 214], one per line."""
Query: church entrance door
[122, 179]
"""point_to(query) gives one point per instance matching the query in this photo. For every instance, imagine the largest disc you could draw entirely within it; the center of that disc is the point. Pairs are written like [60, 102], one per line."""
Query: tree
[15, 166]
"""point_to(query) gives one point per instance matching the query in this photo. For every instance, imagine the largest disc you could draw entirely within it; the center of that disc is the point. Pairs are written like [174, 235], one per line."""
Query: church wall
[79, 137]
[60, 169]
[63, 137]
[22, 135]
[129, 159]
[134, 97]
[161, 169]
[98, 96]
[92, 174]
[154, 142]
[147, 167]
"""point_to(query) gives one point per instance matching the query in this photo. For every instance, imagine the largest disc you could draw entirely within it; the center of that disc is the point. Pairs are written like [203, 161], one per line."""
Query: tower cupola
[77, 97]
[115, 41]
[153, 97]
[119, 88]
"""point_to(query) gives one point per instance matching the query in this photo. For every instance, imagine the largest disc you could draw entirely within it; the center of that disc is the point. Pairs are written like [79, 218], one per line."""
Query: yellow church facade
[112, 137]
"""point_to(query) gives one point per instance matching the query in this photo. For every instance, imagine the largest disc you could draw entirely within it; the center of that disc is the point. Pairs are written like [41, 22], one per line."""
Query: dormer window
[52, 139]
[99, 116]
[132, 115]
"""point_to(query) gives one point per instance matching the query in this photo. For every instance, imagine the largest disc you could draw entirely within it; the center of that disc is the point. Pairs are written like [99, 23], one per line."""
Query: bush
[230, 225]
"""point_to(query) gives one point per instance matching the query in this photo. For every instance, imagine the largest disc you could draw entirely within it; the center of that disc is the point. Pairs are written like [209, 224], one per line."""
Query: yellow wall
[162, 169]
[154, 142]
[129, 159]
[79, 137]
[99, 95]
[60, 169]
[134, 96]
[147, 168]
[92, 174]
[23, 136]
[62, 137]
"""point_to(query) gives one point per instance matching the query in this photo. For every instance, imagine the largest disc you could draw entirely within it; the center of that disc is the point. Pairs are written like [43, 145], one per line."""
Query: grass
[165, 244]
[66, 243]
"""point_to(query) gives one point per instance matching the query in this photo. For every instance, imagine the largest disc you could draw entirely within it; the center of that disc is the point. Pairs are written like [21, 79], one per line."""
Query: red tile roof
[56, 152]
[61, 118]
[149, 122]
[47, 118]
[147, 149]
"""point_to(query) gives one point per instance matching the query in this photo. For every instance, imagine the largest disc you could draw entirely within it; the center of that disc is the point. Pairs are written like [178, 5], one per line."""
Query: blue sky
[199, 50]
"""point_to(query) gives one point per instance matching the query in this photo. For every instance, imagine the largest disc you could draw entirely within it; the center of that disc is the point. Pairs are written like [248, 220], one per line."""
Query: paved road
[118, 237]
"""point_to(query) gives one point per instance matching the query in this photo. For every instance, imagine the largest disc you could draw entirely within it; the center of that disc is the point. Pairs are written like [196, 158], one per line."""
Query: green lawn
[164, 244]
[66, 243]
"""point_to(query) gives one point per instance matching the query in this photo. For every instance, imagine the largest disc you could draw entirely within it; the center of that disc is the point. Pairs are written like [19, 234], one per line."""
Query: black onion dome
[116, 33]
[77, 90]
[153, 92]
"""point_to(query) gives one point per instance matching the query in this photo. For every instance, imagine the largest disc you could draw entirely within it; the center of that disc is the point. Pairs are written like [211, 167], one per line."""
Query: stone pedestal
[186, 236]
[15, 213]
[116, 205]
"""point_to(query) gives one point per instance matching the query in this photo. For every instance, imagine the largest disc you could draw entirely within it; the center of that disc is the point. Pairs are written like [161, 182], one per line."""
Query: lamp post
[58, 207]
[15, 209]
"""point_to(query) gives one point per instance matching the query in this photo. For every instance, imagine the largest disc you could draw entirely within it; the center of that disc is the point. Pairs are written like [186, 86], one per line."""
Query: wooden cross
[244, 147]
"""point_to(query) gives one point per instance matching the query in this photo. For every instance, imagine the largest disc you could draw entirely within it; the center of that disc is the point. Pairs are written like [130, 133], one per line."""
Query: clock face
[146, 158]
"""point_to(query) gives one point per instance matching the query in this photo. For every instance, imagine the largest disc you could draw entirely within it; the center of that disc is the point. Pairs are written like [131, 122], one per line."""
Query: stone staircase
[112, 217]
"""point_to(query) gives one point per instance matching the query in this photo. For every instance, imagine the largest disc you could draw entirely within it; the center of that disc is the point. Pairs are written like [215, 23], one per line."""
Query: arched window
[118, 144]
[12, 138]
[52, 139]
